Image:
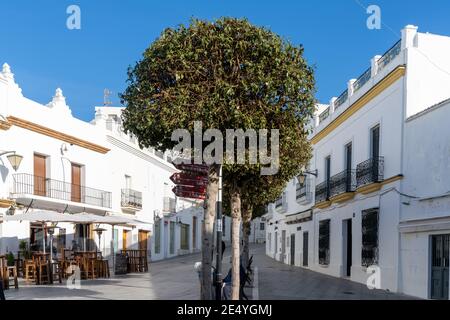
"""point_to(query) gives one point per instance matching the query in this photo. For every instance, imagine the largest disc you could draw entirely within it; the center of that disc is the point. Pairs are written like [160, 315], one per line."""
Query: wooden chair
[43, 269]
[3, 272]
[12, 275]
[30, 270]
[8, 274]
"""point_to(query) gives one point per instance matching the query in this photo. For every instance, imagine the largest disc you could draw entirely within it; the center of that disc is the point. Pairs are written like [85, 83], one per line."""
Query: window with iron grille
[324, 242]
[369, 254]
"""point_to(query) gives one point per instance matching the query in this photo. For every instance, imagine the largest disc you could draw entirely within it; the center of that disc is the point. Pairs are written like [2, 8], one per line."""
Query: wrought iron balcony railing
[389, 55]
[362, 80]
[370, 171]
[28, 184]
[131, 199]
[323, 191]
[342, 98]
[343, 182]
[324, 115]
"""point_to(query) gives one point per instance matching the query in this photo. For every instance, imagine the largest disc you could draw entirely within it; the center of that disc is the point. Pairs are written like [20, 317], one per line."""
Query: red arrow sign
[193, 168]
[187, 179]
[189, 192]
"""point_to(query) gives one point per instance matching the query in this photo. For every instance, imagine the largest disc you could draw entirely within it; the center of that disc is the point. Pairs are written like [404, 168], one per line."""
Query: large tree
[229, 74]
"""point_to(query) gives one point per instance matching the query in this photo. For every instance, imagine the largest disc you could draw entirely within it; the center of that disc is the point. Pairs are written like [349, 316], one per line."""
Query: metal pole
[44, 231]
[112, 249]
[219, 229]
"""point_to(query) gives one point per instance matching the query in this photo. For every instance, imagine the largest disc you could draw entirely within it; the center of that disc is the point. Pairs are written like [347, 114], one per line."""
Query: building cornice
[4, 124]
[6, 203]
[139, 153]
[56, 134]
[376, 90]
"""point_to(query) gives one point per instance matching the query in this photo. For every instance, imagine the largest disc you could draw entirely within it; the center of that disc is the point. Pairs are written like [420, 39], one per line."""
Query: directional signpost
[191, 182]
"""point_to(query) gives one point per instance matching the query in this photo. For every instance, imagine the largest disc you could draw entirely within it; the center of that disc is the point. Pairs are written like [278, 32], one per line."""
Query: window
[116, 240]
[61, 239]
[324, 242]
[348, 156]
[127, 182]
[328, 175]
[184, 237]
[269, 240]
[261, 226]
[172, 237]
[369, 229]
[158, 237]
[375, 142]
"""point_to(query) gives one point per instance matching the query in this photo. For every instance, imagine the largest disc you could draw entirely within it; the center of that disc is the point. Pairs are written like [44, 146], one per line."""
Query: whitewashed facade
[73, 166]
[370, 147]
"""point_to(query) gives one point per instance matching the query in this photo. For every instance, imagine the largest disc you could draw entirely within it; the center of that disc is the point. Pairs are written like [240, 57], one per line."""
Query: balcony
[342, 186]
[29, 189]
[131, 200]
[324, 115]
[369, 174]
[303, 192]
[389, 56]
[323, 195]
[362, 80]
[341, 99]
[169, 205]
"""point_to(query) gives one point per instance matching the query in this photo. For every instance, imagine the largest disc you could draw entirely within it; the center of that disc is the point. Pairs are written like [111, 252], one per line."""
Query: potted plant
[23, 247]
[10, 259]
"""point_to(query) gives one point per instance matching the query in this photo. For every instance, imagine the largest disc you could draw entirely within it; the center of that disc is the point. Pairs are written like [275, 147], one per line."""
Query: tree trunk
[235, 252]
[207, 232]
[246, 229]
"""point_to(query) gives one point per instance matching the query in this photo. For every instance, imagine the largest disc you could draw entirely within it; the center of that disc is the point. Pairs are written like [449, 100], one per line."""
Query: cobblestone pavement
[175, 279]
[283, 282]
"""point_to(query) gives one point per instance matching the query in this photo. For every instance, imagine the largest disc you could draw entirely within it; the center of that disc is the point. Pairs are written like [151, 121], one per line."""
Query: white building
[73, 166]
[347, 215]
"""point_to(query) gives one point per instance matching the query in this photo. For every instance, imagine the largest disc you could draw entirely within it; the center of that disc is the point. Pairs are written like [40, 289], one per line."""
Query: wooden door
[143, 240]
[125, 239]
[76, 183]
[40, 175]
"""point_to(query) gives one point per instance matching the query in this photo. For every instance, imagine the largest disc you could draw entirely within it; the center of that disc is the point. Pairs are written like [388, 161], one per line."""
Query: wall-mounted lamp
[13, 158]
[302, 176]
[64, 149]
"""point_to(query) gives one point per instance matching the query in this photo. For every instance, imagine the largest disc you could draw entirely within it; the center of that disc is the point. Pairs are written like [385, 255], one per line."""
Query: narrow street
[175, 279]
[278, 281]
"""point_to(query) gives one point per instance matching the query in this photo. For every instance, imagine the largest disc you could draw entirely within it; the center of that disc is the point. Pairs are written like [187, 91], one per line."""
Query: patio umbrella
[43, 217]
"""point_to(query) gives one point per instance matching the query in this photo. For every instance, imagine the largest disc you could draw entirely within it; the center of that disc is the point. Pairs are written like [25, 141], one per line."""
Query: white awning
[46, 216]
[299, 217]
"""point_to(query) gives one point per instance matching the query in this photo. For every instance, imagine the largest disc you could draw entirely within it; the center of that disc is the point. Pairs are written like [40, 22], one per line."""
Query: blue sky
[45, 55]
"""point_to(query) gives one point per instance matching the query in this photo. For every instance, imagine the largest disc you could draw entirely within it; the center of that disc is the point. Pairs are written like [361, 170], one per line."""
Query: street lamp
[302, 176]
[13, 158]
